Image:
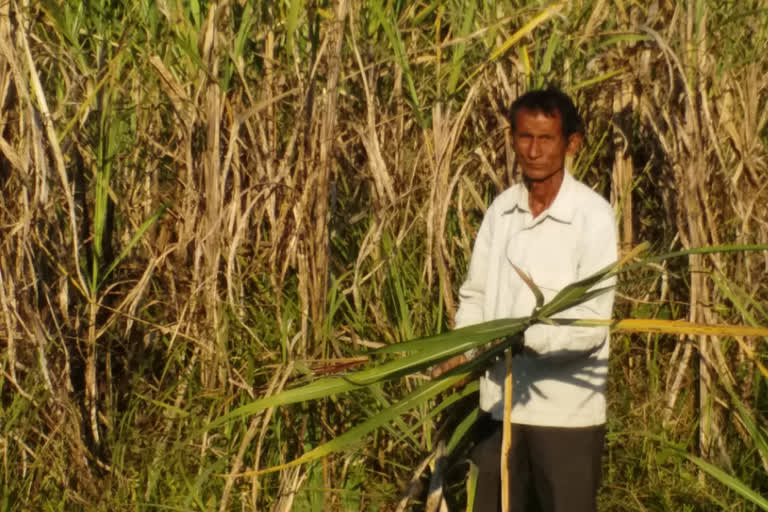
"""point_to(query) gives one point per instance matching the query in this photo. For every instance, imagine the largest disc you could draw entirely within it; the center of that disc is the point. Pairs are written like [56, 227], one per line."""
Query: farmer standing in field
[557, 231]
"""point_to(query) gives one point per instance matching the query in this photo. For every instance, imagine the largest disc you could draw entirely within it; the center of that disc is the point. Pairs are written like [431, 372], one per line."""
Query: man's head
[550, 102]
[545, 129]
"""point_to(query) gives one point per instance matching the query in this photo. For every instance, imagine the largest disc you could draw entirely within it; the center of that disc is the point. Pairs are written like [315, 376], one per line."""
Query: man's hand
[448, 365]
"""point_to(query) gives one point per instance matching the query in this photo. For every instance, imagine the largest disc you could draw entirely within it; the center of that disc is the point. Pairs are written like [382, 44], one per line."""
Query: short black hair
[550, 101]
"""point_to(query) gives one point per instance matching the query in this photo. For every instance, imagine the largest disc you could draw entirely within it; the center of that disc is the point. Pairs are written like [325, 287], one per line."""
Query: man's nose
[534, 150]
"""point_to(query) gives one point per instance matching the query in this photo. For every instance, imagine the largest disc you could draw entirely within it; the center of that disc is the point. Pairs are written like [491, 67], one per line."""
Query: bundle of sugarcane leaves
[489, 340]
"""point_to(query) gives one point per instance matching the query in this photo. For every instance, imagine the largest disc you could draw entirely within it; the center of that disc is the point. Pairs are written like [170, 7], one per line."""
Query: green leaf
[333, 385]
[724, 478]
[740, 299]
[168, 407]
[382, 400]
[474, 473]
[194, 11]
[599, 78]
[461, 430]
[388, 22]
[713, 249]
[459, 50]
[572, 295]
[426, 11]
[465, 336]
[421, 353]
[134, 240]
[357, 433]
[526, 29]
[291, 23]
[529, 281]
[445, 402]
[759, 436]
[546, 64]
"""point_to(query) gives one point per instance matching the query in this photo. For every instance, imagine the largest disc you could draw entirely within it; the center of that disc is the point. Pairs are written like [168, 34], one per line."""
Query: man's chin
[538, 176]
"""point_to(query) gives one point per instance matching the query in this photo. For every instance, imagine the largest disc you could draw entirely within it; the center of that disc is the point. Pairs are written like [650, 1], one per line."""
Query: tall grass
[205, 203]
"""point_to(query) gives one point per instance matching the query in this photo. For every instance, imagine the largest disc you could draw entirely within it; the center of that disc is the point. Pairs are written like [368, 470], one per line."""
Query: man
[558, 231]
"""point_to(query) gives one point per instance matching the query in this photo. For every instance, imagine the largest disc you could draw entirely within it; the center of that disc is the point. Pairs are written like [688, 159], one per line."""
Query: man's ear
[574, 143]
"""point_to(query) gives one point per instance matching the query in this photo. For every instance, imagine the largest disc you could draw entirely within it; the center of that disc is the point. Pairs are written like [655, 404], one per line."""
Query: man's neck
[542, 193]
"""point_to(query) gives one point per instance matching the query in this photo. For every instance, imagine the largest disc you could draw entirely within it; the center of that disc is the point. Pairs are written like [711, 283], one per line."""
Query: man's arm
[472, 292]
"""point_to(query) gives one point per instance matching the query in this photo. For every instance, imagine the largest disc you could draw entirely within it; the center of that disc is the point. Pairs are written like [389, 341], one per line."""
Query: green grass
[159, 208]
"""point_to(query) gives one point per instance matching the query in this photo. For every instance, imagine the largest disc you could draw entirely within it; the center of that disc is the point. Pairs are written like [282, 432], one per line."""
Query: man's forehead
[540, 118]
[553, 114]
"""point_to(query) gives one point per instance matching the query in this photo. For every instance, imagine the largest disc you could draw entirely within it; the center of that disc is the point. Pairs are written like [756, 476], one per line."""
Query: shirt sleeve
[472, 291]
[597, 251]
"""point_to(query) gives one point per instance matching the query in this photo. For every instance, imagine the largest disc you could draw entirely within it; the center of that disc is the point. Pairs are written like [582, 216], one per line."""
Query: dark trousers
[552, 469]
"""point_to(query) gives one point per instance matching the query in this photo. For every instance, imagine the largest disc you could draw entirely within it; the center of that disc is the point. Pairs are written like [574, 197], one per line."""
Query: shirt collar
[562, 209]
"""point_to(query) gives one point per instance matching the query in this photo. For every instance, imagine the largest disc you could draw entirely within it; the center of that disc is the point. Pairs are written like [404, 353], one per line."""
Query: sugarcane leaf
[424, 352]
[712, 249]
[312, 391]
[724, 478]
[388, 22]
[461, 430]
[579, 292]
[546, 64]
[425, 11]
[525, 58]
[459, 50]
[445, 402]
[756, 434]
[135, 240]
[653, 325]
[526, 29]
[599, 78]
[570, 297]
[419, 354]
[680, 327]
[334, 385]
[295, 7]
[357, 433]
[419, 360]
[740, 299]
[472, 334]
[685, 327]
[474, 474]
[384, 403]
[528, 280]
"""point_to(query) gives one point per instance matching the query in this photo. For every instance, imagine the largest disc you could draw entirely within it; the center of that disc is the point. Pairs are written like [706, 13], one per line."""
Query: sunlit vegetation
[207, 203]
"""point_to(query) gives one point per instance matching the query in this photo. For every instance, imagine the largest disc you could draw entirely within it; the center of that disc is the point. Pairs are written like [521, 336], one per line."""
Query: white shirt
[575, 237]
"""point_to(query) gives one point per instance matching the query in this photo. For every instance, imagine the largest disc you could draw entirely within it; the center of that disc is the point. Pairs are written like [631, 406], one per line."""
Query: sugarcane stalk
[506, 439]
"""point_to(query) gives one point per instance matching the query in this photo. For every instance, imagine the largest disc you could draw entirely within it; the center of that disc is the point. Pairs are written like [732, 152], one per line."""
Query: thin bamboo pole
[506, 439]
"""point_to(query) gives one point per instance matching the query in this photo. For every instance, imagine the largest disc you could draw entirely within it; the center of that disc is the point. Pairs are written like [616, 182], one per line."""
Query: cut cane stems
[506, 439]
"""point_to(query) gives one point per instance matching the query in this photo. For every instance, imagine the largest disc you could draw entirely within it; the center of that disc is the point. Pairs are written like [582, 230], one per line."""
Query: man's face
[540, 145]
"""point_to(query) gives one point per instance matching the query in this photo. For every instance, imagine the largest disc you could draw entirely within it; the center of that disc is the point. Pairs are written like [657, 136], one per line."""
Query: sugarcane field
[306, 255]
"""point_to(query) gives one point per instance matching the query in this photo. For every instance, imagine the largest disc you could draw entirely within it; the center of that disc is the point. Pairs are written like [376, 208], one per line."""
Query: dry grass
[324, 172]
